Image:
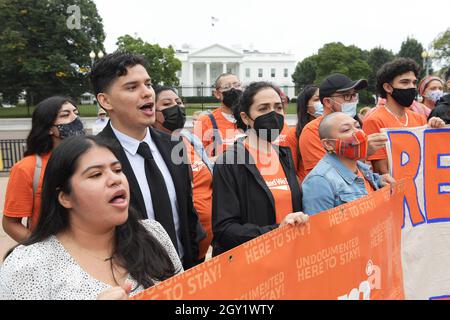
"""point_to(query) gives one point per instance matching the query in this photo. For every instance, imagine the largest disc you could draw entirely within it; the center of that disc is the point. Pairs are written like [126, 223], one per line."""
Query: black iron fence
[11, 151]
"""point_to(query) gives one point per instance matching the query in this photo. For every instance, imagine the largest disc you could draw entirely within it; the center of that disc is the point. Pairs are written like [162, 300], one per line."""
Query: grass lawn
[91, 110]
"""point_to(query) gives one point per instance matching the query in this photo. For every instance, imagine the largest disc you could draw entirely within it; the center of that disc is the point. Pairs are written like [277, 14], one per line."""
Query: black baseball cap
[338, 82]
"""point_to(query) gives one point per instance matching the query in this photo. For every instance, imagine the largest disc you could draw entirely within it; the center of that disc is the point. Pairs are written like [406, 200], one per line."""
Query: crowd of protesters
[111, 215]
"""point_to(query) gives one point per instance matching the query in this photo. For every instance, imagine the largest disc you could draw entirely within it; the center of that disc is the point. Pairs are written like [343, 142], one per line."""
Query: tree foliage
[411, 48]
[442, 46]
[336, 57]
[162, 63]
[305, 72]
[44, 47]
[376, 58]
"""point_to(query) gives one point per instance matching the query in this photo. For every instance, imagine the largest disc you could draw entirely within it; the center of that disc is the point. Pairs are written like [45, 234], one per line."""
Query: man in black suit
[124, 89]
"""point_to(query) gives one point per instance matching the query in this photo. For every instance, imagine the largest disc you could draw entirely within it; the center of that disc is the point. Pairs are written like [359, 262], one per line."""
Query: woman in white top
[88, 243]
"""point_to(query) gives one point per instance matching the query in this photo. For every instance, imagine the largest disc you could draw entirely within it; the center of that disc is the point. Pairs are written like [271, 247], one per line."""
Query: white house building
[200, 68]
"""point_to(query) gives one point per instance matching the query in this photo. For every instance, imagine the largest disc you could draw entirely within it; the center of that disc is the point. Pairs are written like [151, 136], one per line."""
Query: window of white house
[286, 73]
[247, 72]
[273, 72]
[260, 73]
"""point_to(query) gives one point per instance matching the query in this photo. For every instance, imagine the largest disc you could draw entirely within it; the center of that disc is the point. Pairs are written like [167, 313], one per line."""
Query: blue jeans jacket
[331, 184]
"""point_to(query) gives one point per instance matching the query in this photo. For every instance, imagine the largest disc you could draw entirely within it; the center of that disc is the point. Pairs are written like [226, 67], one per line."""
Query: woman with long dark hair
[88, 243]
[53, 120]
[170, 118]
[308, 109]
[255, 189]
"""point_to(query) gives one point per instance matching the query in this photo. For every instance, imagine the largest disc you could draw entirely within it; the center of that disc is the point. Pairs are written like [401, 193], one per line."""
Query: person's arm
[380, 166]
[228, 229]
[19, 200]
[318, 195]
[15, 229]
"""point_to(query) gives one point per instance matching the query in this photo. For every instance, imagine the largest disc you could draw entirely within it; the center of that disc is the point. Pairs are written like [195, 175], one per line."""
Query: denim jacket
[331, 184]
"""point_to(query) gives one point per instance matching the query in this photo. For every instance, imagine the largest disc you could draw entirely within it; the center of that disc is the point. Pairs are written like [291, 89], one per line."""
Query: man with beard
[218, 130]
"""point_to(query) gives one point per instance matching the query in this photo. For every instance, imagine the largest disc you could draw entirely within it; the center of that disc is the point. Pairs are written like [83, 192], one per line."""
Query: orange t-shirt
[311, 147]
[382, 118]
[271, 170]
[202, 195]
[367, 184]
[293, 144]
[19, 199]
[281, 140]
[228, 131]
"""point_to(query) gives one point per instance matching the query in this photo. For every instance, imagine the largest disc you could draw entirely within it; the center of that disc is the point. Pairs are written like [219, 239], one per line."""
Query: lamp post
[93, 55]
[427, 57]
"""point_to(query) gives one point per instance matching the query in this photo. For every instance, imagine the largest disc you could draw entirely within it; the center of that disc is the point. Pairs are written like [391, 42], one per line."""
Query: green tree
[411, 48]
[376, 58]
[162, 63]
[442, 46]
[305, 72]
[45, 45]
[336, 57]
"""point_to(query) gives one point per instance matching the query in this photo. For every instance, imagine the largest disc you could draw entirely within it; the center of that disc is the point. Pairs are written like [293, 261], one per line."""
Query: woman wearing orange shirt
[255, 189]
[170, 118]
[309, 108]
[53, 120]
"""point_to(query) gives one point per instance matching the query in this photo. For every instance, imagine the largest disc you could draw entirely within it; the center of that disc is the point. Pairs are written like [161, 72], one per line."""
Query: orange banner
[349, 252]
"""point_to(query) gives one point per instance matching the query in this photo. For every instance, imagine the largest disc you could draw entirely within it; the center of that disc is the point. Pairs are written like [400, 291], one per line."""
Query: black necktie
[158, 190]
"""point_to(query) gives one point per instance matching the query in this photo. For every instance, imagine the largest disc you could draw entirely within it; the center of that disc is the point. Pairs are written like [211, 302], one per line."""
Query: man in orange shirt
[338, 94]
[396, 82]
[219, 130]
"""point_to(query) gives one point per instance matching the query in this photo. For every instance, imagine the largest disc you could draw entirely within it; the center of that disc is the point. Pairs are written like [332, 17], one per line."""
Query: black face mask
[174, 118]
[404, 97]
[269, 126]
[75, 128]
[231, 97]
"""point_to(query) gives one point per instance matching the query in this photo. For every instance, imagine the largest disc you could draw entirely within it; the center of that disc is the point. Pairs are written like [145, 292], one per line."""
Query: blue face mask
[349, 108]
[318, 106]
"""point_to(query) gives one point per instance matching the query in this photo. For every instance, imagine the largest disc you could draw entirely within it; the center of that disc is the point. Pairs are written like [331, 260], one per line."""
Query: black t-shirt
[442, 109]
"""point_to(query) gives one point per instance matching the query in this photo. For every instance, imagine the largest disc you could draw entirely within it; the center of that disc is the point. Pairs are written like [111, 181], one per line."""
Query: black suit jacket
[180, 175]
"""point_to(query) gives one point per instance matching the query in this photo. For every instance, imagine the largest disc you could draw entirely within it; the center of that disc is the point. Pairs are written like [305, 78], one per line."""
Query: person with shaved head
[341, 176]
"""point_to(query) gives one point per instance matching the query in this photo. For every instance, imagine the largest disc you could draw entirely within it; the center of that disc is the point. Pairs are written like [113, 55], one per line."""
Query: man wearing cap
[337, 93]
[100, 123]
[396, 82]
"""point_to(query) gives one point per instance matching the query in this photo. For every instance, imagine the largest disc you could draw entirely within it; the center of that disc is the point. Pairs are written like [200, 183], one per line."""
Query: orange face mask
[354, 147]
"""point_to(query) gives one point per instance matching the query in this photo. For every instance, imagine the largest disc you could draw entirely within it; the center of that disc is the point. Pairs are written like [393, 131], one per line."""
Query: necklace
[397, 117]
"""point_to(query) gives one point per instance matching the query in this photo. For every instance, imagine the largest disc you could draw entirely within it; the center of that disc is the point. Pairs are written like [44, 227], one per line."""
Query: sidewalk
[5, 241]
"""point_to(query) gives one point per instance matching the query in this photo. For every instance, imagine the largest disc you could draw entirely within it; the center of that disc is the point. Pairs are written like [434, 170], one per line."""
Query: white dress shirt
[137, 162]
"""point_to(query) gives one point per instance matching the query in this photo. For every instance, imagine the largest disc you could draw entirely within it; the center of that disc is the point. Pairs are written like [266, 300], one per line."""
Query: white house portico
[201, 67]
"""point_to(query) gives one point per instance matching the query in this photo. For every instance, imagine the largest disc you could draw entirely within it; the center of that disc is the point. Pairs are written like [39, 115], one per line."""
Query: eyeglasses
[228, 86]
[348, 96]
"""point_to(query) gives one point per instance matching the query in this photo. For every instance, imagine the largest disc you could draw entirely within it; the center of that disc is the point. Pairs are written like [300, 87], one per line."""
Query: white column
[208, 74]
[191, 78]
[241, 72]
[224, 69]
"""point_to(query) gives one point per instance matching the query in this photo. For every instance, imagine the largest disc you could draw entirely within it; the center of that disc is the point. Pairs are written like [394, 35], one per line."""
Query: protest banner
[423, 155]
[348, 252]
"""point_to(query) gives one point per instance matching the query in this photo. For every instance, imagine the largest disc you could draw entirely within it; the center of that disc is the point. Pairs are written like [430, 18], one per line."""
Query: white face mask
[435, 95]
